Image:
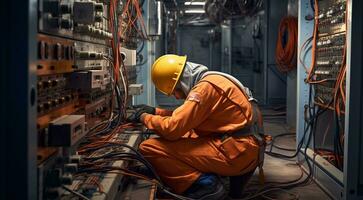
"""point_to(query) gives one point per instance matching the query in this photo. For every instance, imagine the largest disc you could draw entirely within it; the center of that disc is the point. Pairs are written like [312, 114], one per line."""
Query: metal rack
[346, 184]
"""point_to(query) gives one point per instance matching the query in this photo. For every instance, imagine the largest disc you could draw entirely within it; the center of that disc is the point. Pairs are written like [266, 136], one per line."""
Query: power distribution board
[80, 95]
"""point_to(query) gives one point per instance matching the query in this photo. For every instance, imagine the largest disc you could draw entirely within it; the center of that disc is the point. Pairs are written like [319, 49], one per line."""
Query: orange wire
[300, 51]
[286, 55]
[315, 33]
[318, 81]
[338, 91]
[127, 14]
[341, 86]
[102, 140]
[131, 21]
[143, 27]
[114, 48]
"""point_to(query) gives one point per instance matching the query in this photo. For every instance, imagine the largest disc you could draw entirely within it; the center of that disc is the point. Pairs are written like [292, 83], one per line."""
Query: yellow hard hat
[166, 72]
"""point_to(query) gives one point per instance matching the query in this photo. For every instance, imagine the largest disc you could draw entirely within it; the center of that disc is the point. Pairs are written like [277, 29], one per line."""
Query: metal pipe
[159, 13]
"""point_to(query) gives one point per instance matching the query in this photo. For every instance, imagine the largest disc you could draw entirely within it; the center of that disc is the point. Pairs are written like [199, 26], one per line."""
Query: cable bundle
[286, 48]
[337, 104]
[220, 10]
[132, 12]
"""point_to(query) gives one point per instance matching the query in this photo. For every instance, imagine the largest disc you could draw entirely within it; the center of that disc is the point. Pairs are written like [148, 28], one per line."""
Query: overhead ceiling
[183, 5]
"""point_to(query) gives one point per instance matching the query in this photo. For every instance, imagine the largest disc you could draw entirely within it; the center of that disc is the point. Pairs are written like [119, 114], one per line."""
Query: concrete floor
[283, 170]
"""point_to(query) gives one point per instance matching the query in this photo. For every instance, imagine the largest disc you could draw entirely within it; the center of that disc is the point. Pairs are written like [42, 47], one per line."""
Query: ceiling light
[194, 11]
[192, 3]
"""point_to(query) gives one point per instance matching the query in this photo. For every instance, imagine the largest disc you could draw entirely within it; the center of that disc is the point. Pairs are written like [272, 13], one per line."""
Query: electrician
[216, 131]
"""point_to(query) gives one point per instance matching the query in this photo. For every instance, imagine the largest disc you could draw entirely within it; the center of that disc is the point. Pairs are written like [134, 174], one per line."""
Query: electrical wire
[95, 167]
[309, 130]
[102, 136]
[113, 24]
[132, 12]
[296, 196]
[139, 50]
[305, 47]
[123, 103]
[112, 127]
[81, 196]
[312, 5]
[338, 90]
[138, 156]
[111, 123]
[314, 39]
[309, 124]
[286, 47]
[272, 143]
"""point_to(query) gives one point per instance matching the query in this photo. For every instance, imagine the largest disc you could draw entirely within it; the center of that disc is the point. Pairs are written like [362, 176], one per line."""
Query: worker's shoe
[207, 186]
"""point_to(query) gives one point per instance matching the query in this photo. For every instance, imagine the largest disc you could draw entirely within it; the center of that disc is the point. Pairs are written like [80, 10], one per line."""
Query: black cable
[97, 125]
[114, 122]
[282, 148]
[79, 195]
[273, 145]
[279, 155]
[143, 63]
[307, 178]
[141, 156]
[144, 161]
[120, 156]
[290, 184]
[141, 48]
[119, 102]
[311, 128]
[312, 5]
[142, 3]
[137, 156]
[309, 122]
[338, 149]
[159, 184]
[312, 132]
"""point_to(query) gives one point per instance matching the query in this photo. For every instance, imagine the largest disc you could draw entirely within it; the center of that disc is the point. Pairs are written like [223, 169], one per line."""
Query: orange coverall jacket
[190, 142]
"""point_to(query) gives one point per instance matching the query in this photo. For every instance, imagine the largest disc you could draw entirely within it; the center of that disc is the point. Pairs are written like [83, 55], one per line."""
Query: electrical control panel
[86, 81]
[328, 99]
[86, 60]
[330, 49]
[78, 19]
[328, 78]
[74, 91]
[322, 93]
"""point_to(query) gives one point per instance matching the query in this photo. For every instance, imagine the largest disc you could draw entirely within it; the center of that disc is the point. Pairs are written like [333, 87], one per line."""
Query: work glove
[138, 111]
[145, 108]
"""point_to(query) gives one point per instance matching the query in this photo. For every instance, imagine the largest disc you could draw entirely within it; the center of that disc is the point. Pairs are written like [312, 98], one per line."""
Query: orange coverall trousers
[190, 136]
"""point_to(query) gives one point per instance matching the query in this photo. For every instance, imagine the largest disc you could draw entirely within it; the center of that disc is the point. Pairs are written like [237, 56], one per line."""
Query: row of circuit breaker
[60, 81]
[74, 85]
[330, 56]
[79, 19]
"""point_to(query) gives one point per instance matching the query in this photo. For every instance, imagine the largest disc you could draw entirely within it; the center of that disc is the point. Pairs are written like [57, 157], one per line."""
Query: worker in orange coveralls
[216, 131]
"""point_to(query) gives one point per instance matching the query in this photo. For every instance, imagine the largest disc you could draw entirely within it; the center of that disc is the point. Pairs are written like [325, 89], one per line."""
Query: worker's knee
[148, 146]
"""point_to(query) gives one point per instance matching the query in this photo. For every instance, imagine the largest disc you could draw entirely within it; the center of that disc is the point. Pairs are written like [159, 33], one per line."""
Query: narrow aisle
[279, 170]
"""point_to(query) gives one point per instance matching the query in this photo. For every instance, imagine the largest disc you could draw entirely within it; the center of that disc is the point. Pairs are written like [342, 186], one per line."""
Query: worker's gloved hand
[145, 109]
[138, 111]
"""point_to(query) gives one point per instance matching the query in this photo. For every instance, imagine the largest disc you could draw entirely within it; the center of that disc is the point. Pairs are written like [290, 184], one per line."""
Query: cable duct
[219, 10]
